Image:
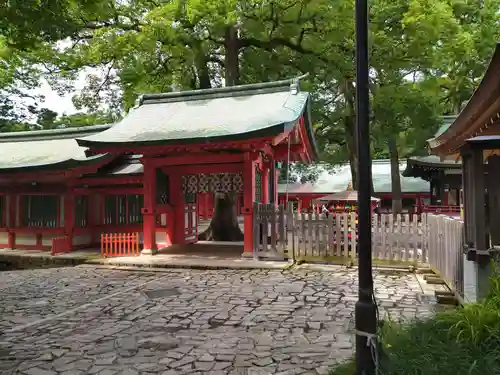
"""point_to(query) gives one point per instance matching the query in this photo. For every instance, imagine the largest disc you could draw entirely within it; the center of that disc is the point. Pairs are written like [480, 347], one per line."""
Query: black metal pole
[365, 310]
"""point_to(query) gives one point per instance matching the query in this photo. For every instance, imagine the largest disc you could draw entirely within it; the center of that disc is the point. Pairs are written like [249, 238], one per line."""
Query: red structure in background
[445, 178]
[304, 200]
[153, 172]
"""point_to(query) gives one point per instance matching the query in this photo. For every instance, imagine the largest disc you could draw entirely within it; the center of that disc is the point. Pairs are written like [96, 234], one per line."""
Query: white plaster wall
[4, 238]
[82, 239]
[163, 219]
[25, 239]
[47, 238]
[161, 237]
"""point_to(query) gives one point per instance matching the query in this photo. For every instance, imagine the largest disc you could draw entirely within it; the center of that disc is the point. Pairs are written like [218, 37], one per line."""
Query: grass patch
[462, 341]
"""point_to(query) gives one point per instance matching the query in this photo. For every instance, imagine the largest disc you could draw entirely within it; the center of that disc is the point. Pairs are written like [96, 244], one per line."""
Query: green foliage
[426, 56]
[298, 172]
[80, 119]
[462, 341]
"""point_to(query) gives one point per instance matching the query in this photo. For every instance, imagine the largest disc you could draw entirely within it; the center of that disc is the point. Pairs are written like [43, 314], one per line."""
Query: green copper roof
[45, 149]
[213, 115]
[63, 133]
[447, 121]
[381, 173]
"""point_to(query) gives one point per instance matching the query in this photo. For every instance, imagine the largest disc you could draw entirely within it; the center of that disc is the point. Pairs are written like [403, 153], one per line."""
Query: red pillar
[12, 222]
[265, 182]
[299, 205]
[248, 199]
[276, 179]
[69, 217]
[149, 209]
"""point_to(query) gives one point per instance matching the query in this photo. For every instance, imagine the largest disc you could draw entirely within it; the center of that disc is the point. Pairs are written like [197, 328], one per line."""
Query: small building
[146, 173]
[415, 190]
[445, 179]
[474, 138]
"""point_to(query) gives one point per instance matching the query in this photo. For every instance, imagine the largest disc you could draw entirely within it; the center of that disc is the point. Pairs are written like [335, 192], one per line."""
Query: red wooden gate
[190, 223]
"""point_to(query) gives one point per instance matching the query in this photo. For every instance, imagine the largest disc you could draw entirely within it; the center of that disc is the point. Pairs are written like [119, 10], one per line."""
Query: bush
[463, 341]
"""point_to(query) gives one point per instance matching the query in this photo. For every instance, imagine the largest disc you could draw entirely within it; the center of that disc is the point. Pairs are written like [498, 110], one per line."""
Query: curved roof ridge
[221, 92]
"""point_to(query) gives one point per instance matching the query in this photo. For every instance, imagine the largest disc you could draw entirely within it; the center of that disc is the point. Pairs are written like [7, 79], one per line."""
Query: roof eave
[40, 135]
[261, 133]
[62, 165]
[309, 130]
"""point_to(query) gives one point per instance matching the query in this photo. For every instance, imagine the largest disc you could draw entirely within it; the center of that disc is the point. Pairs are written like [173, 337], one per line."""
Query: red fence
[60, 245]
[119, 244]
[444, 210]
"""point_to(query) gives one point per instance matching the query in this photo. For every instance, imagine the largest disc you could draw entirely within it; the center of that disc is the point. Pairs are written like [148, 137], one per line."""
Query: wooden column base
[149, 251]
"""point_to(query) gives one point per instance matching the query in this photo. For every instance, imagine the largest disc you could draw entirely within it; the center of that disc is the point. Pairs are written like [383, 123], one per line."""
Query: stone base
[149, 251]
[247, 255]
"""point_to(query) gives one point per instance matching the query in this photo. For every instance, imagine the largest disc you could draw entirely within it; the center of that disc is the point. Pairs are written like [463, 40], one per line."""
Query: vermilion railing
[441, 209]
[119, 244]
[60, 245]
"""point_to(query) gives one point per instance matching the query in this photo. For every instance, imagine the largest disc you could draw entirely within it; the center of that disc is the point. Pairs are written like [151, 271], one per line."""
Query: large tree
[421, 51]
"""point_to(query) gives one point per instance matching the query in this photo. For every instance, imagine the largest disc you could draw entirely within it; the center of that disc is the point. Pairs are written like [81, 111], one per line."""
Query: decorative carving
[203, 183]
[237, 182]
[214, 183]
[226, 183]
[192, 184]
[258, 184]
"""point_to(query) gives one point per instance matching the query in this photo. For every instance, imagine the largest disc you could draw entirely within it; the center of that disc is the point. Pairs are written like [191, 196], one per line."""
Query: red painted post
[12, 220]
[149, 210]
[69, 218]
[265, 182]
[276, 179]
[248, 199]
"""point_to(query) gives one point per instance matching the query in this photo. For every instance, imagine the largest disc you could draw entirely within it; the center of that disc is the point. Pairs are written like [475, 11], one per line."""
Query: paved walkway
[83, 320]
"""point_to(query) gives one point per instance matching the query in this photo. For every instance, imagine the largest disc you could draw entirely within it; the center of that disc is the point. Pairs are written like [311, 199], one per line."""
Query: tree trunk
[352, 150]
[231, 58]
[397, 204]
[224, 224]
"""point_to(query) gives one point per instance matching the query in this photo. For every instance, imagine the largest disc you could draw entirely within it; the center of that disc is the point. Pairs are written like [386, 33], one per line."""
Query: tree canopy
[426, 57]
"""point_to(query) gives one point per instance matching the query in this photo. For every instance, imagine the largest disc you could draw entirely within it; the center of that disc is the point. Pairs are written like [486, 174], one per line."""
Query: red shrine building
[148, 172]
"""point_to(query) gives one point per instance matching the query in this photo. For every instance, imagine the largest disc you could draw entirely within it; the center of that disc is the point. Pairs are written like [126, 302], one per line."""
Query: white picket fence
[308, 236]
[445, 250]
[427, 240]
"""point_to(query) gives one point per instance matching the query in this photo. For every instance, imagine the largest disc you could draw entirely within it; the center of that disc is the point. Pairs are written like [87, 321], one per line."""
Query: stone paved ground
[98, 321]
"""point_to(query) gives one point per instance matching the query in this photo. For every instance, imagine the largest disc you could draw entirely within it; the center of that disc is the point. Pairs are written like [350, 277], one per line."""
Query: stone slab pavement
[81, 320]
